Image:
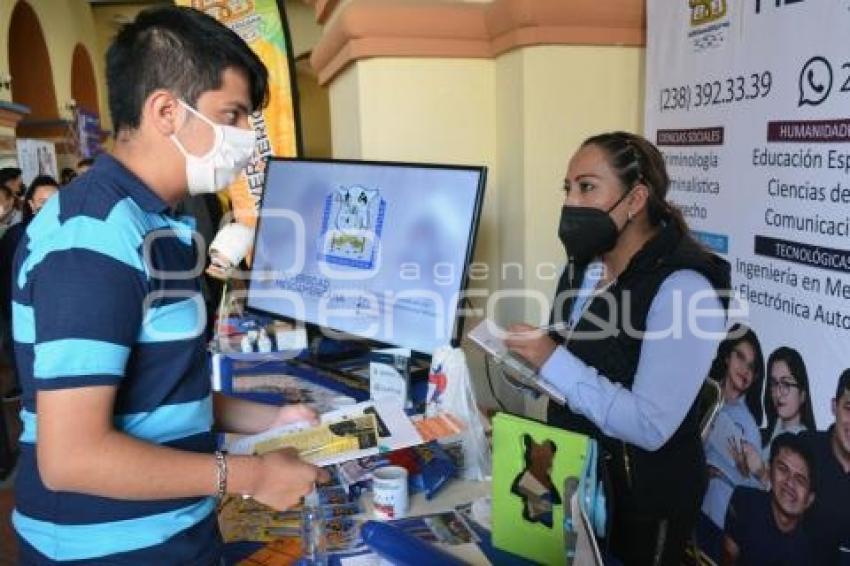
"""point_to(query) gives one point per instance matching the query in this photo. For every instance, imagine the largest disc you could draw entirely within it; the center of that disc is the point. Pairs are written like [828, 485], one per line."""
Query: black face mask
[588, 232]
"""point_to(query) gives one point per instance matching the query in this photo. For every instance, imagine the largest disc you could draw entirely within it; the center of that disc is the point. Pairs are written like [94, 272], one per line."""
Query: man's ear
[810, 500]
[162, 112]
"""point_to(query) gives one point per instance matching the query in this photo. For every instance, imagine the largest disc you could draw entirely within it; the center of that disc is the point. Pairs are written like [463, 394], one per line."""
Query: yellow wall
[5, 19]
[303, 28]
[313, 109]
[344, 102]
[313, 104]
[568, 94]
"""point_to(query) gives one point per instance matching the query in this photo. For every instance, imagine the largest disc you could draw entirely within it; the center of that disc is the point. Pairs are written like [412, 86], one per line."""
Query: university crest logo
[708, 23]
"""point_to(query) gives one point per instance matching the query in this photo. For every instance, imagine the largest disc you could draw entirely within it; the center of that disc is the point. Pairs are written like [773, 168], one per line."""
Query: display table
[455, 493]
[234, 373]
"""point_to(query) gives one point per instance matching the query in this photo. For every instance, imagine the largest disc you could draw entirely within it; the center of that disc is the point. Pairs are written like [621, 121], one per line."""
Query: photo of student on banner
[739, 369]
[787, 400]
[828, 521]
[787, 407]
[765, 527]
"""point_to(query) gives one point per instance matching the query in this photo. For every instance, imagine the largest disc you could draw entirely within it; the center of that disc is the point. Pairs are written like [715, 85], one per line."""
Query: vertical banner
[262, 24]
[35, 158]
[749, 103]
[89, 132]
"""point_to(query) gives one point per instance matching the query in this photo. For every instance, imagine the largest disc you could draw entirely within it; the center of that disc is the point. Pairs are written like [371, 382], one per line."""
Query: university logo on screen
[708, 23]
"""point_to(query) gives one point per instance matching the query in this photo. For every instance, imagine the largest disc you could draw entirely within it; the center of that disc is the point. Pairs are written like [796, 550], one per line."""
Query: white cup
[389, 492]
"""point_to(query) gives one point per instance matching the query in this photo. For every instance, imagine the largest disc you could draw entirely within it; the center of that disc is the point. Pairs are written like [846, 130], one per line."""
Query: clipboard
[487, 335]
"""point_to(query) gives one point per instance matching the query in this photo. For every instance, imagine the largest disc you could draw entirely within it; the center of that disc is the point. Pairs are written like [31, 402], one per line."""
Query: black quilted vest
[651, 484]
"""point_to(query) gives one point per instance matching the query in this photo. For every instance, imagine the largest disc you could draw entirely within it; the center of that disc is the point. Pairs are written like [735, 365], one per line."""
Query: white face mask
[230, 153]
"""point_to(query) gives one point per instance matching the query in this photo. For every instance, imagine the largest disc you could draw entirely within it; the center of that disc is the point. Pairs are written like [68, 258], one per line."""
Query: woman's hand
[755, 465]
[288, 414]
[739, 456]
[530, 342]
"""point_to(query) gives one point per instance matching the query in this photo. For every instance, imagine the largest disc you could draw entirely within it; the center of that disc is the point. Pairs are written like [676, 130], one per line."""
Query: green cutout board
[529, 458]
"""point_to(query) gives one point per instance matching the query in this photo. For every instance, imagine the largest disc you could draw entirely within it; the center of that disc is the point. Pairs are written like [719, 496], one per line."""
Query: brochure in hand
[361, 430]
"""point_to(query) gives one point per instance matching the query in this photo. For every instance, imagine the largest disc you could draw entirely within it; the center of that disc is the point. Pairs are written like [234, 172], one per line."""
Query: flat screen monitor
[375, 250]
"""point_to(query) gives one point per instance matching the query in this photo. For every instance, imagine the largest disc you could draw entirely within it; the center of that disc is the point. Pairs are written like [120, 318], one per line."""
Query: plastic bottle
[264, 342]
[313, 532]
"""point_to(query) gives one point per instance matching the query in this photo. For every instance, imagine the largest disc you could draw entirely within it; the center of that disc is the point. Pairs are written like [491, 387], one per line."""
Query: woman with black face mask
[643, 305]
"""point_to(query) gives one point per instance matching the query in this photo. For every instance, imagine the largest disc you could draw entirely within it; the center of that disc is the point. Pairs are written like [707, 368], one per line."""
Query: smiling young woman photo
[739, 369]
[787, 400]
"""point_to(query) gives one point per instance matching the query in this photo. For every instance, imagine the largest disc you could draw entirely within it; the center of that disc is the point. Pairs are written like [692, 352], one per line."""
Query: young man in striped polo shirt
[117, 462]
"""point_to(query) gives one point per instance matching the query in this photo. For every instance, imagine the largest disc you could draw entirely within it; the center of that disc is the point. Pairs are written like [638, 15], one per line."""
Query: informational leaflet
[361, 430]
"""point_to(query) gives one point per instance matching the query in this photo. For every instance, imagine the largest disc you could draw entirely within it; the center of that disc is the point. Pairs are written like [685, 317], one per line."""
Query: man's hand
[530, 342]
[288, 414]
[731, 552]
[248, 417]
[284, 479]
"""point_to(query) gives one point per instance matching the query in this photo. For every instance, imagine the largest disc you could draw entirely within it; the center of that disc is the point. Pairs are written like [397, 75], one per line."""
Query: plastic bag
[450, 390]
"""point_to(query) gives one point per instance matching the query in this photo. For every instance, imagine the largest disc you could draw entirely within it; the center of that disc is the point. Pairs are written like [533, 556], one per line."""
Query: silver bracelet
[220, 474]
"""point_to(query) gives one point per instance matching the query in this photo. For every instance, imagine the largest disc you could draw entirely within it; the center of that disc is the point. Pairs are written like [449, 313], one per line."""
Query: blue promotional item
[403, 549]
[592, 491]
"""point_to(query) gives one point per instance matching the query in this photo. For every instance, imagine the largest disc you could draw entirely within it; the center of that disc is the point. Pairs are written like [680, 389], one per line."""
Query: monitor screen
[374, 250]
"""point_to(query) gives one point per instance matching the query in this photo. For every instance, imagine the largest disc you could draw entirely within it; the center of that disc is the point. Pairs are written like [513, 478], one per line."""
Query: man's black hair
[179, 49]
[40, 181]
[843, 384]
[797, 445]
[9, 173]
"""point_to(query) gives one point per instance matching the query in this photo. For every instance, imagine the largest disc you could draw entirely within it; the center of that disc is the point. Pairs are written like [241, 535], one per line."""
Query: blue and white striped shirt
[105, 292]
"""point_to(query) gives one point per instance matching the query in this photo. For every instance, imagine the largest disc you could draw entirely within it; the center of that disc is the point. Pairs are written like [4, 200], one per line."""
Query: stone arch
[83, 85]
[29, 65]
